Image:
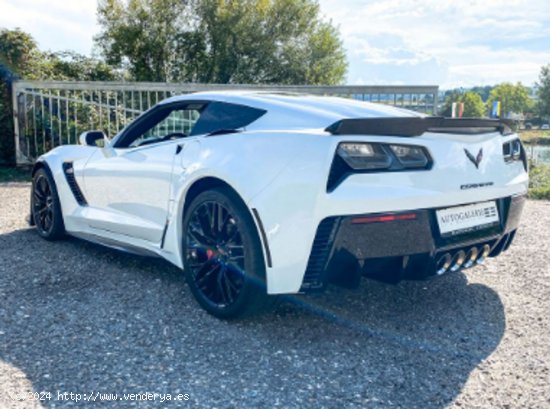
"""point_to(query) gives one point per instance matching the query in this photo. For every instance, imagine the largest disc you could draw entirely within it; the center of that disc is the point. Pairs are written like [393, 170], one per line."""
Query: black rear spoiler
[416, 126]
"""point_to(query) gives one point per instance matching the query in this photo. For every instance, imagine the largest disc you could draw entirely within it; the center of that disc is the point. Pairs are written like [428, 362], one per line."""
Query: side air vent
[320, 252]
[69, 175]
[338, 171]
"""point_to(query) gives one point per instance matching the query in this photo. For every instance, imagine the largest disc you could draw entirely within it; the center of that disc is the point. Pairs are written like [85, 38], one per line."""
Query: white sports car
[255, 193]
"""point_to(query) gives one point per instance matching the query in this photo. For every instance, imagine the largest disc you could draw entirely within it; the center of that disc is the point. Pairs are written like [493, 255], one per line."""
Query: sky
[437, 42]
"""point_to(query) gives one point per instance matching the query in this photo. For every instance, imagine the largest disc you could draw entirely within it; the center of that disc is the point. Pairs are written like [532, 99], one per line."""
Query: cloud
[450, 43]
[55, 24]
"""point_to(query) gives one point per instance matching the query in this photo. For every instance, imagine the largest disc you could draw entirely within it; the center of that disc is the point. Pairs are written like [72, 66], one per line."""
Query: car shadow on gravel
[77, 317]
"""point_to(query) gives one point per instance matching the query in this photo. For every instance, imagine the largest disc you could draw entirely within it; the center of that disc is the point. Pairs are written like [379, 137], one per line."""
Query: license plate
[464, 219]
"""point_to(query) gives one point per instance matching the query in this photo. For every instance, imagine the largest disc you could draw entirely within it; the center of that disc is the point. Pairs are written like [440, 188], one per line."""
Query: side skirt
[115, 244]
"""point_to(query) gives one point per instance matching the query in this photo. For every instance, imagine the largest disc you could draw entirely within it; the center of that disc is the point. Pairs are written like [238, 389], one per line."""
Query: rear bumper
[394, 250]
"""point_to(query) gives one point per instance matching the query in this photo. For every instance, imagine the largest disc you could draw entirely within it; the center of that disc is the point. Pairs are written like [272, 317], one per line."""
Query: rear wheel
[223, 257]
[45, 206]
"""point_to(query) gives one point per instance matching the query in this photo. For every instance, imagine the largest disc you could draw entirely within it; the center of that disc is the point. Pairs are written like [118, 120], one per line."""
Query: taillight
[513, 151]
[368, 157]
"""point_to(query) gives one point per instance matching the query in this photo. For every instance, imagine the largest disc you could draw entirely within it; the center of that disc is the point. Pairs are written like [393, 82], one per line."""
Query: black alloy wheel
[223, 259]
[216, 254]
[46, 210]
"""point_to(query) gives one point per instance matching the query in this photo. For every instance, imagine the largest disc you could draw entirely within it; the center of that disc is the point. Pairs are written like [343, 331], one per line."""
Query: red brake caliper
[210, 253]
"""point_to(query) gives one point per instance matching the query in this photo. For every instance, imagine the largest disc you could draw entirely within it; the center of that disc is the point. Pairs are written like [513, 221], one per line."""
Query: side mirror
[93, 138]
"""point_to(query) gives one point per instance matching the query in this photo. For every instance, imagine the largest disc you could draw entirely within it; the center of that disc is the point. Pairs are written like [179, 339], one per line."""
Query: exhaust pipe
[471, 257]
[485, 250]
[443, 264]
[458, 260]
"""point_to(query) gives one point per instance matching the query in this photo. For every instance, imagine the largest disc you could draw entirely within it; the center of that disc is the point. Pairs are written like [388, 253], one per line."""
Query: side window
[224, 116]
[187, 119]
[178, 124]
[162, 123]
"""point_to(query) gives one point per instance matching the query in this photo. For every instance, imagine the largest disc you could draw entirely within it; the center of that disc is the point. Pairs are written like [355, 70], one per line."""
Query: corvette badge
[475, 160]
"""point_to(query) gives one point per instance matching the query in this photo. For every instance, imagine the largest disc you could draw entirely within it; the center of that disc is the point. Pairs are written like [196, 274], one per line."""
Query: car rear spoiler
[416, 126]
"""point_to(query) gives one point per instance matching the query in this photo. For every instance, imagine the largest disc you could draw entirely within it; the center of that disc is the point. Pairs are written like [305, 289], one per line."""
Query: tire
[45, 206]
[223, 258]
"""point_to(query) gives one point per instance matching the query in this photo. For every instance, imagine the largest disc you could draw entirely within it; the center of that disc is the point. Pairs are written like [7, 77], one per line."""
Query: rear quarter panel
[249, 162]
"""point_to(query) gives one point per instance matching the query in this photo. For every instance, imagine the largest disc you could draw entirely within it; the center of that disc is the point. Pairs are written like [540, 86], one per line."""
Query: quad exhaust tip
[471, 257]
[462, 259]
[485, 250]
[443, 264]
[457, 260]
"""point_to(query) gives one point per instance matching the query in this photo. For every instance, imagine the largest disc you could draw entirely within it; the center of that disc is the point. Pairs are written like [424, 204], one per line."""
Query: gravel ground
[76, 317]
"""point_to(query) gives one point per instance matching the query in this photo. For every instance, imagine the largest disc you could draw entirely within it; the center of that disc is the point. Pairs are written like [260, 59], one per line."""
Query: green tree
[483, 91]
[68, 65]
[21, 58]
[473, 104]
[270, 41]
[222, 41]
[543, 92]
[143, 35]
[513, 98]
[18, 52]
[18, 55]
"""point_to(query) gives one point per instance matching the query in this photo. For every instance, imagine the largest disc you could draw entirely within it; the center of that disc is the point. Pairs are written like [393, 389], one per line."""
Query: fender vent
[71, 181]
[320, 252]
[338, 172]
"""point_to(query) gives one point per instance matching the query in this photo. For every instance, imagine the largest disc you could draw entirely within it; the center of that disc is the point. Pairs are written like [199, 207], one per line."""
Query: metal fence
[52, 113]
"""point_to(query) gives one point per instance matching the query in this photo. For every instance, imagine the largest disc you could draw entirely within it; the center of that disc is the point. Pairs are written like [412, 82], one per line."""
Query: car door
[127, 185]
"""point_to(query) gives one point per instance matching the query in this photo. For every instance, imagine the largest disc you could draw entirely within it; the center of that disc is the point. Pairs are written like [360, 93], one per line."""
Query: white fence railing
[52, 113]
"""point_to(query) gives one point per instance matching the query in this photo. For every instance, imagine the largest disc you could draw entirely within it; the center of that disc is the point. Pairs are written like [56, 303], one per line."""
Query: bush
[539, 181]
[6, 127]
[13, 174]
[541, 193]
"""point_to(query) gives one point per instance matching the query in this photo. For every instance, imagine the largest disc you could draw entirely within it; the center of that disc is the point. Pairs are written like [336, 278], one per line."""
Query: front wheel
[45, 207]
[223, 259]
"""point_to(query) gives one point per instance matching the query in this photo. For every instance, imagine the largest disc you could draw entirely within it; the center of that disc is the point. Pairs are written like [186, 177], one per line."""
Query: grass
[10, 174]
[535, 137]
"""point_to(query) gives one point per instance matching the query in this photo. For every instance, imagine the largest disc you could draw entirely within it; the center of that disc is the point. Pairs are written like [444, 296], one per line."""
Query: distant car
[528, 125]
[545, 127]
[253, 193]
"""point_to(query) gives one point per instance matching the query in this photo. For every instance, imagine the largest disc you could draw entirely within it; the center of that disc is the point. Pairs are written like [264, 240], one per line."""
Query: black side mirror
[93, 138]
